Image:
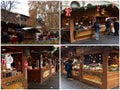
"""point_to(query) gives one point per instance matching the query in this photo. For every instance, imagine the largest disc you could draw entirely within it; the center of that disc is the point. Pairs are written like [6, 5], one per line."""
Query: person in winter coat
[68, 68]
[97, 30]
[116, 27]
[108, 25]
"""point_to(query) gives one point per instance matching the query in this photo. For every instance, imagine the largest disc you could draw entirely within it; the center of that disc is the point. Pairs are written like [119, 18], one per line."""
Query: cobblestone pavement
[76, 84]
[104, 39]
[51, 83]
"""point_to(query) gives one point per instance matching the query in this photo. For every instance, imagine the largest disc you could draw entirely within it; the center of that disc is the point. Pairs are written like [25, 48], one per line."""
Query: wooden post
[81, 65]
[105, 68]
[71, 30]
[24, 69]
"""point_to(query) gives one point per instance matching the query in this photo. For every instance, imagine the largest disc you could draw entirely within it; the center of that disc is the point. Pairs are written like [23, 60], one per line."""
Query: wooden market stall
[98, 66]
[44, 66]
[27, 64]
[12, 69]
[79, 25]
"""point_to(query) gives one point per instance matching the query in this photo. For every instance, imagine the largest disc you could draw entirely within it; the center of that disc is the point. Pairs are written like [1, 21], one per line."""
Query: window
[75, 4]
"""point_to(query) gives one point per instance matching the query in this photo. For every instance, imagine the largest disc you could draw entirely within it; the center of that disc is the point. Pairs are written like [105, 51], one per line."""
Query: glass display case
[92, 68]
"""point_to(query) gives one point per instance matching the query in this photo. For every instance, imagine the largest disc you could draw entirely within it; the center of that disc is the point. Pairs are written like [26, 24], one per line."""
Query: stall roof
[22, 48]
[94, 7]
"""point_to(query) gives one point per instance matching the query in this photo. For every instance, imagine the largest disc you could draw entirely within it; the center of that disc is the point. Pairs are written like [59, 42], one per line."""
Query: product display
[46, 73]
[92, 78]
[93, 75]
[113, 67]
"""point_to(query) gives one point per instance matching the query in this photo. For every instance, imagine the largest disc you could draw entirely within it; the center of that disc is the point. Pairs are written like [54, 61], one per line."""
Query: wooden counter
[34, 75]
[14, 82]
[93, 77]
[112, 79]
[40, 75]
[81, 34]
[46, 73]
[89, 33]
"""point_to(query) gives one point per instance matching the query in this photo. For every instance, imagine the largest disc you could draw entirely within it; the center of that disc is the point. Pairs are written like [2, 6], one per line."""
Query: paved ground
[104, 39]
[51, 83]
[75, 84]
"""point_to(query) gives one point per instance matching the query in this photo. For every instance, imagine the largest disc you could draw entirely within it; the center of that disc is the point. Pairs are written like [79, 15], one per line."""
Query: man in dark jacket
[116, 27]
[68, 67]
[108, 25]
[5, 37]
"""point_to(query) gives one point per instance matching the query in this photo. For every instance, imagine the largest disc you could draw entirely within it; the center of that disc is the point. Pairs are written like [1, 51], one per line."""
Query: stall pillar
[81, 65]
[24, 58]
[71, 30]
[105, 69]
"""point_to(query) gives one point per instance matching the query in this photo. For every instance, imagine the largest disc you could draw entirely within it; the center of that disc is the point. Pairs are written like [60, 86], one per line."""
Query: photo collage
[60, 44]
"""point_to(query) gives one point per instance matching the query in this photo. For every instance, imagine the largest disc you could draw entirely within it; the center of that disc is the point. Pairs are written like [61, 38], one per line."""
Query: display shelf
[76, 72]
[93, 75]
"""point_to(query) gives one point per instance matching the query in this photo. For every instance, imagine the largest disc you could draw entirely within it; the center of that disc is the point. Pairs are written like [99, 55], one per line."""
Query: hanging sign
[68, 11]
[25, 64]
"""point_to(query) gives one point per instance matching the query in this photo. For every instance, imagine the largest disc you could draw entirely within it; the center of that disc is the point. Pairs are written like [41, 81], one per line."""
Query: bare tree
[6, 7]
[47, 10]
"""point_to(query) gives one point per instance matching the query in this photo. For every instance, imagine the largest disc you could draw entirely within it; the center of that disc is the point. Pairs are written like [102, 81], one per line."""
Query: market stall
[43, 66]
[79, 24]
[12, 69]
[99, 66]
[24, 64]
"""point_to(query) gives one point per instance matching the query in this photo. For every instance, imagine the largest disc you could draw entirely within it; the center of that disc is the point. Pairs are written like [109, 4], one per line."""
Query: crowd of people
[12, 36]
[109, 24]
[49, 36]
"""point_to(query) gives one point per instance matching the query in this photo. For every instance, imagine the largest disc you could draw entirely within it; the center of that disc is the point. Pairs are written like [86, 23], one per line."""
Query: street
[76, 84]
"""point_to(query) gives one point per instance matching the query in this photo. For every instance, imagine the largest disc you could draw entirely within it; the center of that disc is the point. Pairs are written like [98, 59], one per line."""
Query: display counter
[34, 75]
[113, 76]
[40, 75]
[87, 33]
[81, 34]
[14, 82]
[93, 76]
[112, 79]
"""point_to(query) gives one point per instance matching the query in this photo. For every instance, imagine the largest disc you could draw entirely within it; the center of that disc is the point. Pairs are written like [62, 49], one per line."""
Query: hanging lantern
[98, 7]
[113, 5]
[103, 11]
[68, 11]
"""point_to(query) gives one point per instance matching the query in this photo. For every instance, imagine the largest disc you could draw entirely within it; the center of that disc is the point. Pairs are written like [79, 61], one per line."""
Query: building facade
[78, 4]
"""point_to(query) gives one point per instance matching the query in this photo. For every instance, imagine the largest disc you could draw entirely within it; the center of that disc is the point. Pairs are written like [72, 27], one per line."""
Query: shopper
[108, 25]
[68, 67]
[97, 30]
[5, 37]
[116, 27]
